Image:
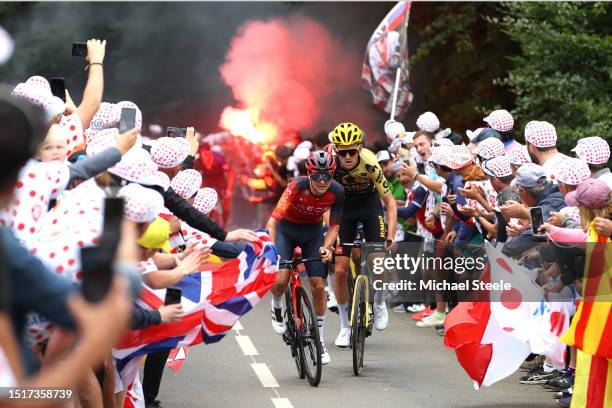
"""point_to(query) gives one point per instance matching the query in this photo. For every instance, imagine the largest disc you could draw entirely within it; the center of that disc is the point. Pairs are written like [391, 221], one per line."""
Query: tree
[563, 73]
[459, 53]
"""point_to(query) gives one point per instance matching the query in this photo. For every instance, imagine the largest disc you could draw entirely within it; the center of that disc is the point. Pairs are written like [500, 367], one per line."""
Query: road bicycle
[302, 333]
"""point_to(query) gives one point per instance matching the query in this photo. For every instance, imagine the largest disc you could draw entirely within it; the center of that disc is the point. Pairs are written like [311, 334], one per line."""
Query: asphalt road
[405, 366]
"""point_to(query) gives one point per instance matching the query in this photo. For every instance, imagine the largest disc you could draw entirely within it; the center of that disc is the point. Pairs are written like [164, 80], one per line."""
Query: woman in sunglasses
[297, 220]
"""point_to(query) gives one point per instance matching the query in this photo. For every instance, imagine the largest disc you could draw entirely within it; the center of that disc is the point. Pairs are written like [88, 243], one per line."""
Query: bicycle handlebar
[356, 244]
[293, 263]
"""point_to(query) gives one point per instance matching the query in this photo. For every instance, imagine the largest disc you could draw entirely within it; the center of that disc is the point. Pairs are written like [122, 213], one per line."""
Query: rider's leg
[279, 286]
[341, 288]
[285, 246]
[317, 287]
[375, 231]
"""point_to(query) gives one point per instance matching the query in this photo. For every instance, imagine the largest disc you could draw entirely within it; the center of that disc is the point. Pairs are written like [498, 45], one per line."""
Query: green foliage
[563, 73]
[461, 55]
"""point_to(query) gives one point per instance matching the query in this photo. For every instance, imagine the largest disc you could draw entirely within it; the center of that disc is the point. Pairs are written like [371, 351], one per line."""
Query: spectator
[596, 152]
[541, 138]
[535, 191]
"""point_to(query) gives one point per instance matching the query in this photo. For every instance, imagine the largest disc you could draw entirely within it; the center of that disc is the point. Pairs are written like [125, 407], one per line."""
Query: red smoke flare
[289, 75]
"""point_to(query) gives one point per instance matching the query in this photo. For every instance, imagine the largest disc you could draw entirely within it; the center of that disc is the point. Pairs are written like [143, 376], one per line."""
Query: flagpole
[398, 74]
[395, 91]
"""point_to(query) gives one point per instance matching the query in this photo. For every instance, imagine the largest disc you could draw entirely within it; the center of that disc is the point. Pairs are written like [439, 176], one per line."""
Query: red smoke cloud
[289, 75]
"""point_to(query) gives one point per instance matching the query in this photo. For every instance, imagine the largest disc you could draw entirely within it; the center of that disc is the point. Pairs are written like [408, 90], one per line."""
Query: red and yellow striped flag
[593, 382]
[591, 328]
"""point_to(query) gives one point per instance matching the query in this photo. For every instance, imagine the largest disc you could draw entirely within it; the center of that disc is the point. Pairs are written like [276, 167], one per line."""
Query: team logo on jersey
[370, 168]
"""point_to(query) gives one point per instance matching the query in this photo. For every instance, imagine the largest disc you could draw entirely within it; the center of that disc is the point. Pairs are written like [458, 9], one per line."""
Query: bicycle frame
[295, 282]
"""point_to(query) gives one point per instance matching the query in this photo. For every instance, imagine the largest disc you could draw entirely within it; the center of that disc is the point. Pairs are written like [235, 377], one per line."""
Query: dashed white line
[281, 403]
[265, 375]
[262, 371]
[247, 346]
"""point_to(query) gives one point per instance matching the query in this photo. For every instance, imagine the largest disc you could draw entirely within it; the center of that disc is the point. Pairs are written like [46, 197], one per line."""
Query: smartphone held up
[176, 132]
[537, 219]
[58, 88]
[97, 262]
[79, 49]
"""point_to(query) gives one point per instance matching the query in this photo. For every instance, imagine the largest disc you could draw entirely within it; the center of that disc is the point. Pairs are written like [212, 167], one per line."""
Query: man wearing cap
[596, 152]
[502, 121]
[535, 191]
[541, 138]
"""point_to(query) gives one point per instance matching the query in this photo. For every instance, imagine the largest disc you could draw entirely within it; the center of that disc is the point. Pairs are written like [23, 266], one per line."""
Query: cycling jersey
[299, 205]
[364, 179]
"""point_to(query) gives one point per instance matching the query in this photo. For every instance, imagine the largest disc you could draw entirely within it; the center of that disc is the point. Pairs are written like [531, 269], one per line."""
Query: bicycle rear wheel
[292, 335]
[308, 338]
[358, 319]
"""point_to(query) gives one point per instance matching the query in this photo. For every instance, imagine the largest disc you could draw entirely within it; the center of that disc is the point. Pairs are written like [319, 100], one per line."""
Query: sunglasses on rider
[348, 152]
[321, 176]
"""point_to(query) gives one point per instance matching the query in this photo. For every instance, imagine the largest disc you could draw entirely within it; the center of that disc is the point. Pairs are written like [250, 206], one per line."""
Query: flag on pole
[387, 51]
[591, 328]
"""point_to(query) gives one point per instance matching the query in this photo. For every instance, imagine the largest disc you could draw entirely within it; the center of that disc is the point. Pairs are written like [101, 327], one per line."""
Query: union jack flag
[212, 301]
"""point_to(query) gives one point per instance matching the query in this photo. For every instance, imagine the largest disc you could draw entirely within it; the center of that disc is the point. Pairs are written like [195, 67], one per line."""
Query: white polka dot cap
[39, 96]
[540, 134]
[140, 204]
[490, 148]
[594, 150]
[186, 183]
[393, 129]
[500, 120]
[101, 141]
[573, 171]
[170, 152]
[428, 122]
[519, 156]
[160, 179]
[107, 116]
[497, 167]
[459, 157]
[440, 154]
[136, 166]
[205, 200]
[39, 82]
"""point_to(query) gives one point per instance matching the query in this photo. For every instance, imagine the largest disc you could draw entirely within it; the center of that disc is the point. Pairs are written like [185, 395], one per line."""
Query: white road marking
[247, 346]
[281, 403]
[262, 371]
[265, 375]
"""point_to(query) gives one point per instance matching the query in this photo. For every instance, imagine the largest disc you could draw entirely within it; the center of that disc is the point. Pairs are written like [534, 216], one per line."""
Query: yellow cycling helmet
[346, 134]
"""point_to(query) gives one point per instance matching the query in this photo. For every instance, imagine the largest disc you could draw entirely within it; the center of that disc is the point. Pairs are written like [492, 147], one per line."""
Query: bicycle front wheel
[358, 319]
[293, 335]
[308, 339]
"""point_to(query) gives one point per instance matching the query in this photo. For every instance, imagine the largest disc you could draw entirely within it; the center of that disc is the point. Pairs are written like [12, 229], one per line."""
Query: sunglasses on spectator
[348, 152]
[321, 176]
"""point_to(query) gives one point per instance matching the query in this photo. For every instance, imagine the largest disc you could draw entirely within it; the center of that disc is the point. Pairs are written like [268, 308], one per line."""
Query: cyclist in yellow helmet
[365, 191]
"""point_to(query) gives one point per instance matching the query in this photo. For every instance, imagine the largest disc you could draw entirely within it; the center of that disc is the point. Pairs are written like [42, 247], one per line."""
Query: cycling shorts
[369, 211]
[309, 237]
